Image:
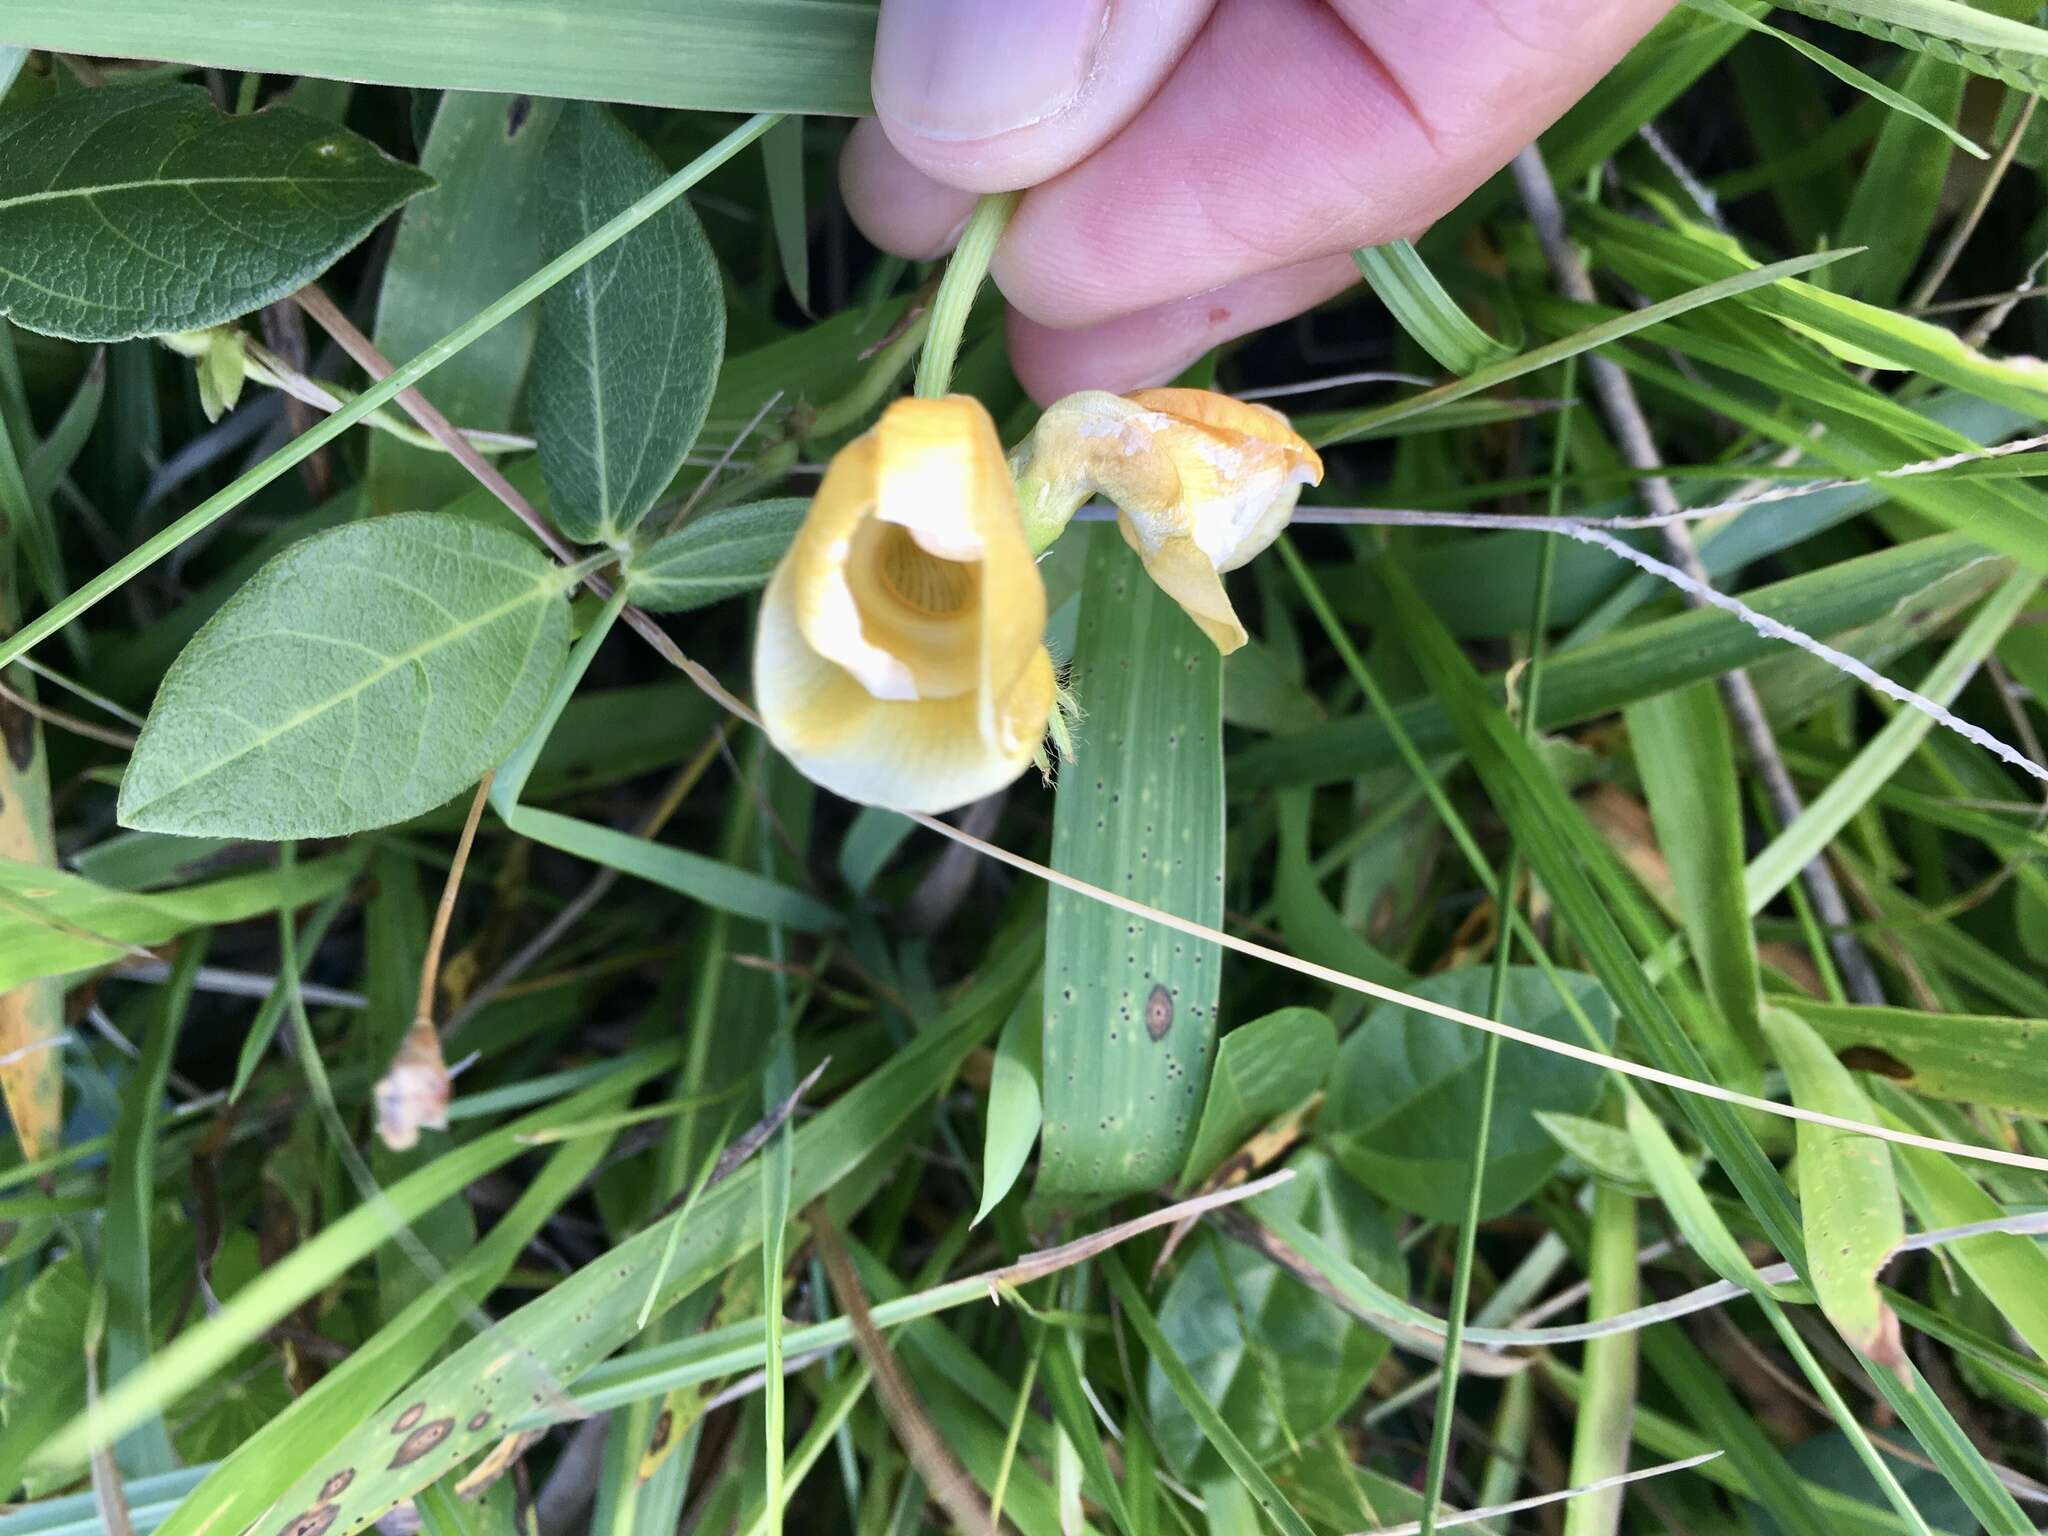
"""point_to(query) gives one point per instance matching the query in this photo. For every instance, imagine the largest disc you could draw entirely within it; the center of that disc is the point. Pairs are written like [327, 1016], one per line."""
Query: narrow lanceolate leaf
[1687, 761]
[1430, 316]
[2011, 1270]
[1130, 1008]
[1677, 1182]
[363, 676]
[132, 1170]
[137, 211]
[782, 158]
[1848, 1194]
[1846, 73]
[1015, 1108]
[715, 556]
[1997, 46]
[1262, 1069]
[629, 346]
[1967, 1058]
[712, 55]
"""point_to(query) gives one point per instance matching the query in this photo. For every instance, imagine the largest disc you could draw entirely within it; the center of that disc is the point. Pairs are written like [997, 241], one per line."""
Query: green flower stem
[322, 433]
[964, 272]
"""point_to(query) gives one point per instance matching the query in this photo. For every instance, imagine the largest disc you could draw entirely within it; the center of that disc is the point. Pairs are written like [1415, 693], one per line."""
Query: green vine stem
[964, 272]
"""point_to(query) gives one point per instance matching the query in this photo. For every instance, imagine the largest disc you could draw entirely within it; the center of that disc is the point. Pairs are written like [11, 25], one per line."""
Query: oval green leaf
[1405, 1093]
[716, 556]
[134, 211]
[630, 346]
[363, 676]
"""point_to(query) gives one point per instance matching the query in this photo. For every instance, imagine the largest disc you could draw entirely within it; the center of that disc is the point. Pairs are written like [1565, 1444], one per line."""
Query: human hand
[1200, 168]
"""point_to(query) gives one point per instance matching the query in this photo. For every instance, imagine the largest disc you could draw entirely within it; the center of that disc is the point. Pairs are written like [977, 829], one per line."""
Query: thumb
[989, 95]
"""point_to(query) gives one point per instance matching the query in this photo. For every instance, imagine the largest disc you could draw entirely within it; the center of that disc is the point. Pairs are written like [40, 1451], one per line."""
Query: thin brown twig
[1952, 250]
[1987, 324]
[650, 825]
[72, 723]
[328, 316]
[945, 1478]
[1976, 301]
[1631, 428]
[364, 352]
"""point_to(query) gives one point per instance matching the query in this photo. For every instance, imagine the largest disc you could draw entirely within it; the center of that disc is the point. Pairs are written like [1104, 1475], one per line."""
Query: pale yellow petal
[1180, 570]
[822, 598]
[932, 472]
[900, 659]
[928, 755]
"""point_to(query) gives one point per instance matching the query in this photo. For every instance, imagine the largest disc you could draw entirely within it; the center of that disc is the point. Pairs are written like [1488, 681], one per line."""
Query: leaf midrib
[181, 183]
[392, 664]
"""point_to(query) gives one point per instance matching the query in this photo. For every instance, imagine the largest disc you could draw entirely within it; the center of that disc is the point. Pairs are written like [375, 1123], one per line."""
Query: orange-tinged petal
[1227, 413]
[1197, 478]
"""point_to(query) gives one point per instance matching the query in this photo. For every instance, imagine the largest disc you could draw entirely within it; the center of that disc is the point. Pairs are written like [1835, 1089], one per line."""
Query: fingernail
[968, 69]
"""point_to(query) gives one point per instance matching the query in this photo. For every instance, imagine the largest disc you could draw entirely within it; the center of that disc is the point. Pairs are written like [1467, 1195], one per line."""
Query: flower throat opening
[918, 579]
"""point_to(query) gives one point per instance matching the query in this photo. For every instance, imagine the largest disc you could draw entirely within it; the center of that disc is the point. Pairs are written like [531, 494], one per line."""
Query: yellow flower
[901, 659]
[1201, 483]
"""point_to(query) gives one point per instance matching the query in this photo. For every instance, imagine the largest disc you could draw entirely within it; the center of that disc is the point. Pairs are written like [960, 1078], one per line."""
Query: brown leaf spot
[1868, 1058]
[1159, 1012]
[422, 1440]
[479, 1419]
[312, 1522]
[663, 1428]
[516, 114]
[407, 1419]
[332, 1488]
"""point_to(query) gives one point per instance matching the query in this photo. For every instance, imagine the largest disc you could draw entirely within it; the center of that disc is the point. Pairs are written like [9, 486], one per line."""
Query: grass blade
[1130, 1020]
[1419, 305]
[713, 55]
[1538, 358]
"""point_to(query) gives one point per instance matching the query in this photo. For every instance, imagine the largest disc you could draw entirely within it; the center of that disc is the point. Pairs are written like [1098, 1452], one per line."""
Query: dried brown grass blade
[948, 1482]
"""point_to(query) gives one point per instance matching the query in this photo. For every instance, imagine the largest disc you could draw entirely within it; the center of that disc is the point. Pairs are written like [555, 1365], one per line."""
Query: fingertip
[993, 95]
[1154, 345]
[895, 204]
